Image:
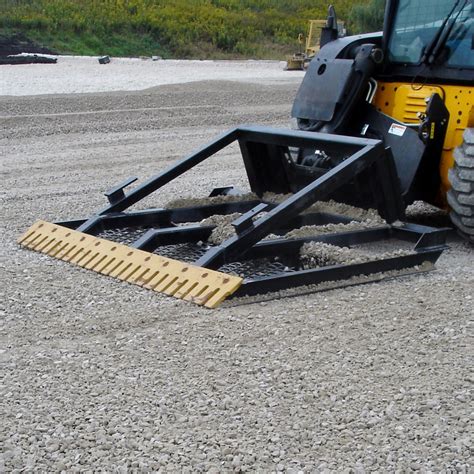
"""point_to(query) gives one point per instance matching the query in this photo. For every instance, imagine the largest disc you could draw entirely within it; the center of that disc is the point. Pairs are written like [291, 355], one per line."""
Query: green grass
[181, 29]
[85, 43]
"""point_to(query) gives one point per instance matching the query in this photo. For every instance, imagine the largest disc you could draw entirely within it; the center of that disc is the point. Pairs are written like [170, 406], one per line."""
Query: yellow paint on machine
[174, 278]
[404, 102]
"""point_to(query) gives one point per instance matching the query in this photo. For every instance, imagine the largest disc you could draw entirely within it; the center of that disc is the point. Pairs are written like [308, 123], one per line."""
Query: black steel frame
[269, 168]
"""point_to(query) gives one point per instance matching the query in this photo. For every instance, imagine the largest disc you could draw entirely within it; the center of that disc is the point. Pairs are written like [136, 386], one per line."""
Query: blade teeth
[123, 267]
[72, 253]
[96, 261]
[90, 258]
[34, 241]
[161, 274]
[207, 296]
[102, 268]
[139, 279]
[216, 299]
[58, 250]
[80, 257]
[51, 246]
[167, 282]
[32, 233]
[156, 285]
[48, 246]
[171, 291]
[151, 282]
[114, 267]
[129, 275]
[55, 248]
[37, 243]
[196, 292]
[186, 289]
[23, 240]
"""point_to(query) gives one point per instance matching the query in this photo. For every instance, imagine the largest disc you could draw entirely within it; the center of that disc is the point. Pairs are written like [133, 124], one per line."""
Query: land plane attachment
[287, 232]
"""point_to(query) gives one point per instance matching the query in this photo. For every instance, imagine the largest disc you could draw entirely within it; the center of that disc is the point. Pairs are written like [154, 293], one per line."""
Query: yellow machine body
[405, 102]
[299, 61]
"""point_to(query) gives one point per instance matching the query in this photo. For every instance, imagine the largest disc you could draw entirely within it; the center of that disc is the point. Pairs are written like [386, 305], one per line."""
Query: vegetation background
[178, 28]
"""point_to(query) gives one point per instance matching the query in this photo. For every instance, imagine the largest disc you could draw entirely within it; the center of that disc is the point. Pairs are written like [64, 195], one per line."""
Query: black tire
[461, 194]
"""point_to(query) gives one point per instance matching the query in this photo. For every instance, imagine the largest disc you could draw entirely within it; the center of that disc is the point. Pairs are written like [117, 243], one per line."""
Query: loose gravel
[223, 229]
[206, 201]
[320, 254]
[78, 74]
[99, 375]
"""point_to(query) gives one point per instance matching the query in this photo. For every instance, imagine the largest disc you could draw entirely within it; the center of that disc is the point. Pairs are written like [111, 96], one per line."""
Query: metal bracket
[245, 220]
[224, 191]
[116, 194]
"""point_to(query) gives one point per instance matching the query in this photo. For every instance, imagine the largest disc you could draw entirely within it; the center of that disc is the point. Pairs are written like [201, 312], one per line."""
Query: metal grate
[187, 252]
[258, 268]
[123, 235]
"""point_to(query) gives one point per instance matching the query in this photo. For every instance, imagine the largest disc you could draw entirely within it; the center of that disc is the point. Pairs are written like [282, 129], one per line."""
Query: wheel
[461, 194]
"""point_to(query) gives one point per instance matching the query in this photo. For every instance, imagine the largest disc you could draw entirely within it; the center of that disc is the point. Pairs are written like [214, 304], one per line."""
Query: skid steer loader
[381, 121]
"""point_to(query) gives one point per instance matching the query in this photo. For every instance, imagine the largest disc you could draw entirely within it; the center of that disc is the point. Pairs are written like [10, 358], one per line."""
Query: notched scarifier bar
[174, 278]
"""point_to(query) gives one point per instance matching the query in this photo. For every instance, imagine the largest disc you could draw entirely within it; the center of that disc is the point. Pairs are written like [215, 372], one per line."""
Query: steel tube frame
[335, 273]
[259, 134]
[315, 191]
[363, 156]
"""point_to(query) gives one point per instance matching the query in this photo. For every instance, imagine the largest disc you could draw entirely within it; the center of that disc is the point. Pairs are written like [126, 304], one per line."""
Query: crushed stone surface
[367, 218]
[79, 74]
[370, 216]
[99, 375]
[224, 230]
[320, 254]
[309, 230]
[205, 201]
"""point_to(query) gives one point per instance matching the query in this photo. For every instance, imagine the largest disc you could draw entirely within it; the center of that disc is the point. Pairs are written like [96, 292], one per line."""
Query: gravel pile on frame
[223, 229]
[320, 254]
[205, 201]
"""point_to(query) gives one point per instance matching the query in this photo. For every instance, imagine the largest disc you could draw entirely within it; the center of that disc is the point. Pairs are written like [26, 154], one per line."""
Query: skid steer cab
[380, 117]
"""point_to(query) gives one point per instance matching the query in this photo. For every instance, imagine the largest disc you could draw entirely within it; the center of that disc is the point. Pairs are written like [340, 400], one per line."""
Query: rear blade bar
[165, 275]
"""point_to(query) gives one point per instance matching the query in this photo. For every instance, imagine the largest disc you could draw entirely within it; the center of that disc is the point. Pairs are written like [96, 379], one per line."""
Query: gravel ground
[102, 375]
[73, 74]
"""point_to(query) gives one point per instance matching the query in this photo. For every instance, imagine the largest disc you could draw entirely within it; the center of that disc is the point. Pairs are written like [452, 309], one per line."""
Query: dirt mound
[18, 43]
